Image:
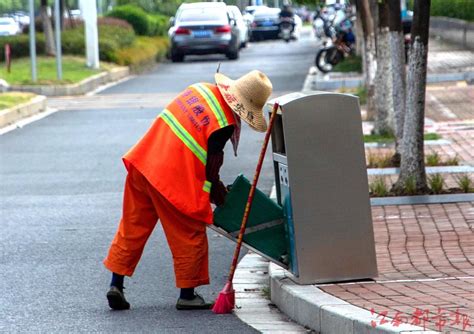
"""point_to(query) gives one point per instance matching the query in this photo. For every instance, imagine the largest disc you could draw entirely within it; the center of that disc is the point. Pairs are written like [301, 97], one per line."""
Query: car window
[202, 14]
[236, 13]
[264, 14]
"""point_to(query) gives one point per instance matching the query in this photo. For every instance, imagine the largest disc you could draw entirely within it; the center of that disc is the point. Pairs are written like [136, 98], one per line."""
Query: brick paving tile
[425, 260]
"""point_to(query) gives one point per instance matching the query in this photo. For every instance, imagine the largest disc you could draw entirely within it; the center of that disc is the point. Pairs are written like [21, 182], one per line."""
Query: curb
[422, 199]
[317, 81]
[79, 88]
[252, 306]
[23, 110]
[324, 313]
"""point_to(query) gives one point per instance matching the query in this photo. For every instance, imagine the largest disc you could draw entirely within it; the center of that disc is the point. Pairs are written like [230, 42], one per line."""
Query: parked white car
[8, 26]
[242, 25]
[298, 25]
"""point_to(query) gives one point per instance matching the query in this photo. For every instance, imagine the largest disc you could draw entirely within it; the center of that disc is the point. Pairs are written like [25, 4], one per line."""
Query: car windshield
[202, 14]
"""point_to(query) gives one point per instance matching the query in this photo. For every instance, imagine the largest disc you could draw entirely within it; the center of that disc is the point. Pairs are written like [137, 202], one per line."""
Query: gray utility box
[321, 183]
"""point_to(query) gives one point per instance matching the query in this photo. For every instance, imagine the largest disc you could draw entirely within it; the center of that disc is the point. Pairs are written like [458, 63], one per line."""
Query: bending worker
[173, 176]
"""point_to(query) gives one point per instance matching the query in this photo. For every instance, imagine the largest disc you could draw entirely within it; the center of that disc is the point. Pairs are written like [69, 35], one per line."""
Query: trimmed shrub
[114, 34]
[146, 50]
[158, 24]
[20, 46]
[112, 21]
[134, 15]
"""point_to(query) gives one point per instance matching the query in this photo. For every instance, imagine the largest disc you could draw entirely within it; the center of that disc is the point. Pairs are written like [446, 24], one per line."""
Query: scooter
[286, 28]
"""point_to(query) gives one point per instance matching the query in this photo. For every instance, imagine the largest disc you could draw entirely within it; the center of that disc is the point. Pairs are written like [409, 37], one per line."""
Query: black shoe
[197, 303]
[117, 299]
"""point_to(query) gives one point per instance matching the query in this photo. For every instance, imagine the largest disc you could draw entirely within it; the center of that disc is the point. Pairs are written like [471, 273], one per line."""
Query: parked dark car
[203, 28]
[265, 24]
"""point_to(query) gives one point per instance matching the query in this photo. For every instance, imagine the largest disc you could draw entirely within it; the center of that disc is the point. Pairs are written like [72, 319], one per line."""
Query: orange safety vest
[172, 155]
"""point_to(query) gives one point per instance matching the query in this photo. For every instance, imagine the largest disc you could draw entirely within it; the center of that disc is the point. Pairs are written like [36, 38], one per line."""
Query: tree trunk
[369, 59]
[397, 47]
[384, 118]
[412, 162]
[50, 48]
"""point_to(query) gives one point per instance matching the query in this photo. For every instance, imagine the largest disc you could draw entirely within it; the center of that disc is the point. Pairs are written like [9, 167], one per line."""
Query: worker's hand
[218, 193]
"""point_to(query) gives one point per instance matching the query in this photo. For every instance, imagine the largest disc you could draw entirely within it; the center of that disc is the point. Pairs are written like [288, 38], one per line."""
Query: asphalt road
[61, 193]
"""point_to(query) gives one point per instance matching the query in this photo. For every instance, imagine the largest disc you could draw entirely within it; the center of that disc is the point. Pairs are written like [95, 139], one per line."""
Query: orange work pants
[143, 205]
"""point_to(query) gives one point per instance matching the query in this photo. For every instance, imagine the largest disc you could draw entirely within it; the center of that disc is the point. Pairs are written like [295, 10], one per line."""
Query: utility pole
[57, 23]
[34, 76]
[89, 15]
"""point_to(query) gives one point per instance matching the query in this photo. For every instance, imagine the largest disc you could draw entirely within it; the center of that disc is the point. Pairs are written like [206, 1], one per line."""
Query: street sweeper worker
[173, 176]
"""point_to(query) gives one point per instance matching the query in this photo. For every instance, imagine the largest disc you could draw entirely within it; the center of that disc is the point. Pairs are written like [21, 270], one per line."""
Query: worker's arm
[215, 160]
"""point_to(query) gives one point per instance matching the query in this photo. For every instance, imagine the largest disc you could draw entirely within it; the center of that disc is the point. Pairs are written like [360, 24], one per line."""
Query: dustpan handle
[248, 206]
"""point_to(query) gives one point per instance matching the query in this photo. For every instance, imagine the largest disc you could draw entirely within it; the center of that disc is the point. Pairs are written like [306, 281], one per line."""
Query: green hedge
[459, 9]
[159, 24]
[143, 23]
[111, 39]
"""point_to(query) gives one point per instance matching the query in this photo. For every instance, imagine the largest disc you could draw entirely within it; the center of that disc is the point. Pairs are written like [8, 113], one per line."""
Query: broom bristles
[225, 301]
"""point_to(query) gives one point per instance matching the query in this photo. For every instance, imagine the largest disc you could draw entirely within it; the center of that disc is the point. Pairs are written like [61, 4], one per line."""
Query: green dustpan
[265, 231]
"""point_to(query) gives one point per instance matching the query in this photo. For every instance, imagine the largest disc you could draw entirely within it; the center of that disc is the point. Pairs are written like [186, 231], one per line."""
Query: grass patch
[431, 136]
[379, 160]
[360, 92]
[378, 187]
[349, 64]
[266, 292]
[8, 100]
[74, 70]
[388, 138]
[436, 183]
[433, 159]
[465, 183]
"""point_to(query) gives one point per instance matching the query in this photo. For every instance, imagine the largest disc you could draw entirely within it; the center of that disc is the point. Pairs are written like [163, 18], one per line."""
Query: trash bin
[320, 228]
[321, 181]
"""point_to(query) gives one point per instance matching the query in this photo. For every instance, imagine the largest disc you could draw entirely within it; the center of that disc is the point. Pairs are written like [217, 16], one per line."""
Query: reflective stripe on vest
[207, 186]
[211, 100]
[184, 135]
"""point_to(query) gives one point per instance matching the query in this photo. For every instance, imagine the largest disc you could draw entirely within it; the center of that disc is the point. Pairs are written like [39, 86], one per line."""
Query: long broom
[225, 302]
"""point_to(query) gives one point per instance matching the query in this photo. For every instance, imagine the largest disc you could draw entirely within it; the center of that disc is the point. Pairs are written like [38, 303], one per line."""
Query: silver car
[203, 28]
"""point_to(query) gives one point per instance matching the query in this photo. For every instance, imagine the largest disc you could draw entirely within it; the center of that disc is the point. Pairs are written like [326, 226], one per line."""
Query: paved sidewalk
[425, 253]
[446, 62]
[425, 256]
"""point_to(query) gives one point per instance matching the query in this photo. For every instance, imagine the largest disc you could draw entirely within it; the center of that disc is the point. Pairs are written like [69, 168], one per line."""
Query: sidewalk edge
[87, 85]
[324, 313]
[252, 306]
[11, 115]
[316, 81]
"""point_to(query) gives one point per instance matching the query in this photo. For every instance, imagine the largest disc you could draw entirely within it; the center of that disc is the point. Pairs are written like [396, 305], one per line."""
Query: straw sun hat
[247, 96]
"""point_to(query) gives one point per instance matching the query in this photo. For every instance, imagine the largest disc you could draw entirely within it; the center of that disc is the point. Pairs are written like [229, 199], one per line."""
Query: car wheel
[233, 54]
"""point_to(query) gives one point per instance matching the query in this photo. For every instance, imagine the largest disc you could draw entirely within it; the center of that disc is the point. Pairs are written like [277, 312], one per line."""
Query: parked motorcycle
[340, 46]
